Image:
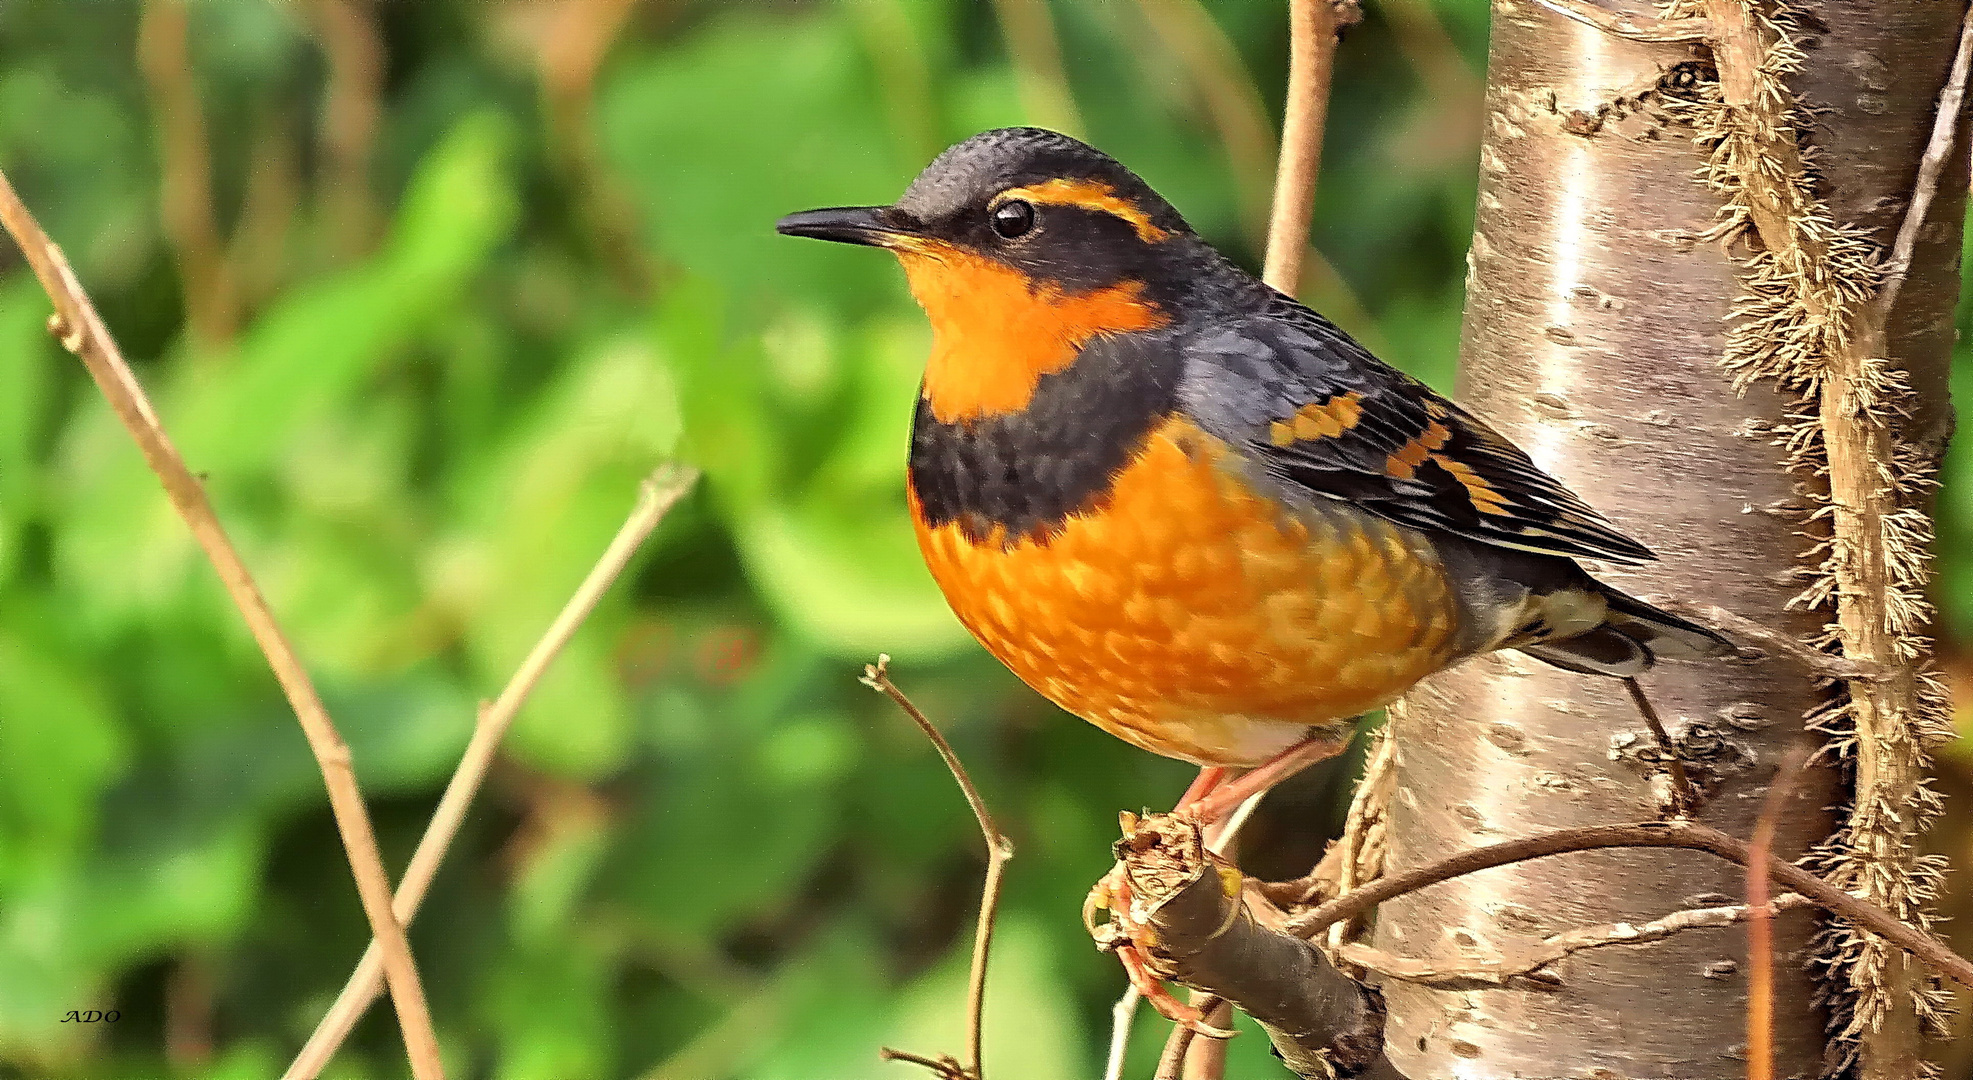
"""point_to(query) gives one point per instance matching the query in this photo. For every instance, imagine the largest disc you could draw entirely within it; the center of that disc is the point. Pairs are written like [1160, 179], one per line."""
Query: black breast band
[1028, 471]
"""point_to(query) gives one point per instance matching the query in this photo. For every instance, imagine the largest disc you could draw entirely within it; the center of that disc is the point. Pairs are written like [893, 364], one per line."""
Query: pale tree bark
[1597, 315]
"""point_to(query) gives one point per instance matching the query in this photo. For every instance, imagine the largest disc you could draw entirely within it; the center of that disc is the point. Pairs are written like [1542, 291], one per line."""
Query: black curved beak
[873, 226]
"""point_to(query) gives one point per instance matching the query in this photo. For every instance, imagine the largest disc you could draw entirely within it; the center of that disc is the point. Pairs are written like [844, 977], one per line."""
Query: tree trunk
[1596, 319]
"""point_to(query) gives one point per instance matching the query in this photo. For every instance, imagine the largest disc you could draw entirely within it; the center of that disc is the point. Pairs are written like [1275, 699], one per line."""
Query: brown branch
[1313, 29]
[1632, 27]
[188, 1012]
[1744, 631]
[999, 850]
[1206, 1060]
[257, 255]
[185, 183]
[1945, 124]
[1223, 834]
[1760, 930]
[1328, 1014]
[1651, 834]
[1528, 965]
[1121, 1016]
[1174, 1062]
[1042, 78]
[1874, 576]
[82, 332]
[353, 45]
[1685, 800]
[1231, 99]
[1203, 935]
[571, 41]
[656, 496]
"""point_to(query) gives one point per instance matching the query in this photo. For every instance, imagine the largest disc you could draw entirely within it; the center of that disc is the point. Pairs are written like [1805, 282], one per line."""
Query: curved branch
[1526, 966]
[1313, 27]
[999, 849]
[81, 331]
[1651, 834]
[658, 494]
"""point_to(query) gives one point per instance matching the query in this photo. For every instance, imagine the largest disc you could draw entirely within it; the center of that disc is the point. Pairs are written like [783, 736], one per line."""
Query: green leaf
[550, 1011]
[831, 1016]
[314, 350]
[64, 932]
[556, 875]
[849, 577]
[826, 539]
[749, 119]
[308, 358]
[60, 746]
[27, 370]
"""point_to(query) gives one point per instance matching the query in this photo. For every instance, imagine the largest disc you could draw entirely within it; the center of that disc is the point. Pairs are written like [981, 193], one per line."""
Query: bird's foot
[1221, 797]
[1131, 939]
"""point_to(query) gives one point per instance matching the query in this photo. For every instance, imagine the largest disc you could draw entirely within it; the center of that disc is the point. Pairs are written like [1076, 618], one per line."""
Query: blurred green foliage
[463, 332]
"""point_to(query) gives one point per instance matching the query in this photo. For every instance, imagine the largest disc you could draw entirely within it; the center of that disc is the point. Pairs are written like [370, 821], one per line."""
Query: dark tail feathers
[1632, 637]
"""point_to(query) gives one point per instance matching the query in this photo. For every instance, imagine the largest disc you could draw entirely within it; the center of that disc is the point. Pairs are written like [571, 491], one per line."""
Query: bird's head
[1021, 245]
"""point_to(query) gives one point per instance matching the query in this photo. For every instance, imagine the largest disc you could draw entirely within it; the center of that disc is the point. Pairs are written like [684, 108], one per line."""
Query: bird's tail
[1633, 636]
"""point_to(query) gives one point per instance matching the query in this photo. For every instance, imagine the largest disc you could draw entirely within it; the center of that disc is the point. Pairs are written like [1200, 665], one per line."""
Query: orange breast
[1199, 620]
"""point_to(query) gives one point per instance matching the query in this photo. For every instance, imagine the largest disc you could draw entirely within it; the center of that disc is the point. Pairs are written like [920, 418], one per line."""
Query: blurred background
[425, 288]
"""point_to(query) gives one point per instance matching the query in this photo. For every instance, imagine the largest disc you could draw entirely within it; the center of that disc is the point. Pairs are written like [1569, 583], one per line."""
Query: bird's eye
[1012, 218]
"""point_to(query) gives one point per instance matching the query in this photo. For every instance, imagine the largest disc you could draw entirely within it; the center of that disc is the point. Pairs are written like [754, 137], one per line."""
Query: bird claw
[1131, 939]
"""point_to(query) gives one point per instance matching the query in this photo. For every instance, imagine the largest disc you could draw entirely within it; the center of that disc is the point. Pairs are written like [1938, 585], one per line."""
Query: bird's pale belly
[1198, 619]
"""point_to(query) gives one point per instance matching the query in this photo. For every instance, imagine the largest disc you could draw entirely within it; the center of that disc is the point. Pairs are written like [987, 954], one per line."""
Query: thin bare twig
[1178, 1048]
[353, 45]
[185, 180]
[1042, 78]
[1313, 29]
[257, 254]
[1314, 26]
[1945, 123]
[1684, 834]
[1207, 1060]
[1528, 965]
[1760, 929]
[1122, 1014]
[188, 1012]
[656, 496]
[1633, 27]
[1379, 770]
[999, 849]
[82, 332]
[1684, 797]
[1230, 97]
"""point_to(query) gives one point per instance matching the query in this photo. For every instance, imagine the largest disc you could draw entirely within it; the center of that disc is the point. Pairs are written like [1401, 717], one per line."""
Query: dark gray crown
[972, 172]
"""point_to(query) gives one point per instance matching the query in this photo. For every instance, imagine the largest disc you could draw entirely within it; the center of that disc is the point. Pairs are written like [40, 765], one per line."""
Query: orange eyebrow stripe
[1090, 195]
[1318, 420]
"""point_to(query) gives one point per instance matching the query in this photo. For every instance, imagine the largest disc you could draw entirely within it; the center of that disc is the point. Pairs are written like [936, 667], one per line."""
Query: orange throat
[996, 332]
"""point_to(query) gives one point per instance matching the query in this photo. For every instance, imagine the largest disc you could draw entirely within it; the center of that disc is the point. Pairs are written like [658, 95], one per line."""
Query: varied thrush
[1192, 511]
